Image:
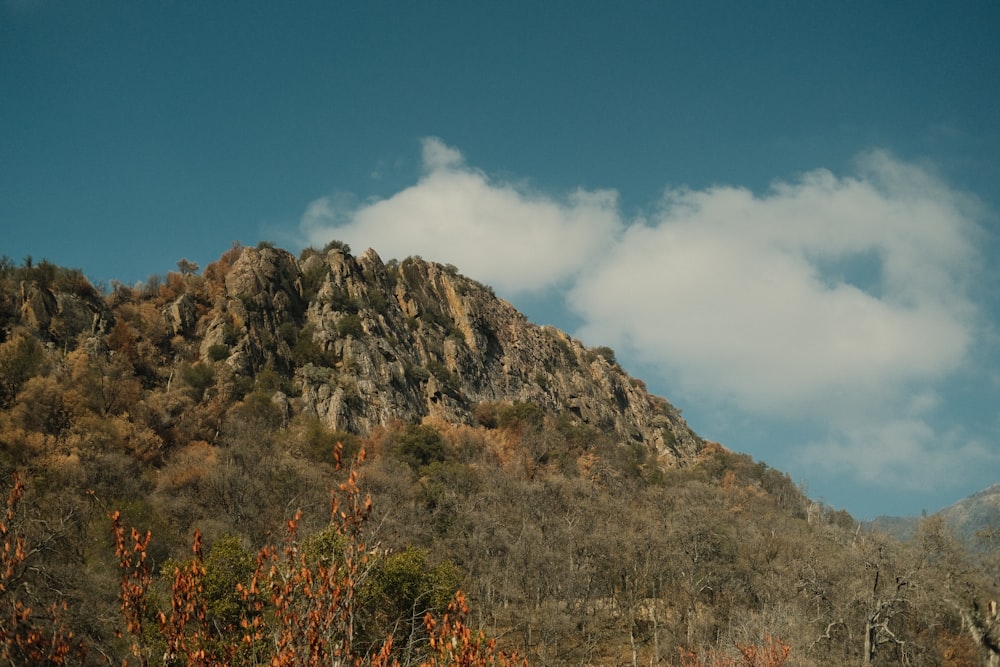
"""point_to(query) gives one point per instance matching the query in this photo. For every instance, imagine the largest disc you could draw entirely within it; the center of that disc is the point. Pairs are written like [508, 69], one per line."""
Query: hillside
[360, 344]
[582, 518]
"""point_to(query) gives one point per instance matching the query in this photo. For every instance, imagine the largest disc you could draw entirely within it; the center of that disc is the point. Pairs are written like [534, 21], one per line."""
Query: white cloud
[907, 454]
[498, 233]
[750, 298]
[437, 156]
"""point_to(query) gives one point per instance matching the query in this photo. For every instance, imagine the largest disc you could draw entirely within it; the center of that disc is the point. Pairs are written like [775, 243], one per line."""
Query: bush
[420, 445]
[327, 599]
[319, 443]
[20, 359]
[307, 351]
[486, 414]
[603, 351]
[198, 377]
[350, 325]
[520, 415]
[337, 245]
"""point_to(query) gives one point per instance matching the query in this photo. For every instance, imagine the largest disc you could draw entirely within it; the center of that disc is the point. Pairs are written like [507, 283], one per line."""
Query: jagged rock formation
[58, 315]
[404, 340]
[365, 343]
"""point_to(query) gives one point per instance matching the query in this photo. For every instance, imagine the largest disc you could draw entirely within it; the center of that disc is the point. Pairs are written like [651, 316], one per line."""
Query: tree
[186, 267]
[887, 586]
[20, 359]
[104, 383]
[950, 577]
[25, 636]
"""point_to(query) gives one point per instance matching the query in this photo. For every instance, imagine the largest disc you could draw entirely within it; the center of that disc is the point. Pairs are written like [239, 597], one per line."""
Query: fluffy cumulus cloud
[823, 289]
[499, 233]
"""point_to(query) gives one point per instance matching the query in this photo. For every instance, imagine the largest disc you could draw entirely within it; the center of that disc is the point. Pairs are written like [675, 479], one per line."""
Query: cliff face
[366, 343]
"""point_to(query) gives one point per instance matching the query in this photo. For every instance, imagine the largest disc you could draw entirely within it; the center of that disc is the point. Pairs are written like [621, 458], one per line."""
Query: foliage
[20, 359]
[350, 325]
[218, 352]
[307, 351]
[337, 245]
[519, 416]
[294, 607]
[198, 377]
[420, 445]
[604, 352]
[771, 652]
[25, 636]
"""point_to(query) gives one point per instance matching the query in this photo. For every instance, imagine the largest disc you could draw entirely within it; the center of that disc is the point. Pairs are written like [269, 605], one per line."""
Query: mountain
[975, 520]
[364, 343]
[975, 515]
[328, 449]
[413, 339]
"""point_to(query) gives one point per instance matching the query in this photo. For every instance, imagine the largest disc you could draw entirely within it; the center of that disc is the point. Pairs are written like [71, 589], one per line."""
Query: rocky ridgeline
[367, 343]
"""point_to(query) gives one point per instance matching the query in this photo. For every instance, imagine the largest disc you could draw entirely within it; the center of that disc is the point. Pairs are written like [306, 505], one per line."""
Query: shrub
[350, 325]
[20, 359]
[486, 414]
[198, 377]
[520, 415]
[420, 445]
[337, 245]
[307, 351]
[603, 351]
[300, 604]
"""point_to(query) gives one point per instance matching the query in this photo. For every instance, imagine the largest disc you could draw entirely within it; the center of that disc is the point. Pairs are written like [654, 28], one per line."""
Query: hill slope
[364, 343]
[585, 521]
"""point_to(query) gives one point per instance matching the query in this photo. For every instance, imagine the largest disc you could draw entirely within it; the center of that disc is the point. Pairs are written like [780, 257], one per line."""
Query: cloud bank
[817, 289]
[498, 233]
[828, 299]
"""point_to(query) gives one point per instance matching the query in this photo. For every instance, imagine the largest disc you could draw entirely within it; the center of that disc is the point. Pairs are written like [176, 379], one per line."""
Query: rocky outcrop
[61, 316]
[369, 342]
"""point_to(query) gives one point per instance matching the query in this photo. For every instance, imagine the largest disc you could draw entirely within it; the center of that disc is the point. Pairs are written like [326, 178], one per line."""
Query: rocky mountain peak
[369, 342]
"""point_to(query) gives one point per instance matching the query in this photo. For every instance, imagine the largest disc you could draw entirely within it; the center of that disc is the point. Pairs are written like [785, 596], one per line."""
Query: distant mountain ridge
[967, 517]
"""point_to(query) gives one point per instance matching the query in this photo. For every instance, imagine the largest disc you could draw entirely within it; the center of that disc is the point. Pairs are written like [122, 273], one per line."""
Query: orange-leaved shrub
[295, 608]
[771, 653]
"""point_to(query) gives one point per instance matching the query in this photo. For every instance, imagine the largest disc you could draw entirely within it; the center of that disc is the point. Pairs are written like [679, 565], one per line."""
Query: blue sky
[783, 216]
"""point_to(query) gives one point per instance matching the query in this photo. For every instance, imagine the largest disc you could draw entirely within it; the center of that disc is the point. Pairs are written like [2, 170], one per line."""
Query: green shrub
[318, 442]
[378, 302]
[307, 351]
[418, 373]
[603, 351]
[227, 565]
[20, 359]
[342, 301]
[198, 377]
[350, 325]
[520, 415]
[257, 407]
[337, 245]
[420, 446]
